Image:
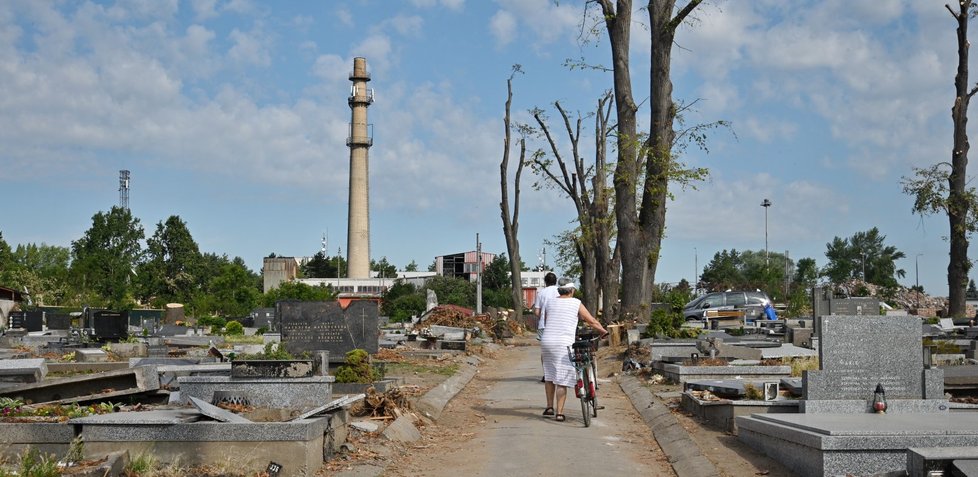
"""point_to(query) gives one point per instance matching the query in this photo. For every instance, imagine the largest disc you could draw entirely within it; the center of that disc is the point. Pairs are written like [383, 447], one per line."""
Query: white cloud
[332, 68]
[204, 9]
[377, 49]
[344, 16]
[450, 4]
[768, 129]
[503, 27]
[249, 48]
[547, 21]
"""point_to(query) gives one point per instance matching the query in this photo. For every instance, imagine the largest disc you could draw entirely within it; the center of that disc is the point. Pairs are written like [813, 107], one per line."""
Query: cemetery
[180, 394]
[837, 394]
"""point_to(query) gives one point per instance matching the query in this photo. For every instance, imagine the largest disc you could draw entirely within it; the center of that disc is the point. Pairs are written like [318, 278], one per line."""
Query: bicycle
[582, 355]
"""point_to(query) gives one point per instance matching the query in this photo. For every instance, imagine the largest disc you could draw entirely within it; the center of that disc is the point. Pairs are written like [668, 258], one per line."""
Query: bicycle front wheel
[593, 392]
[587, 406]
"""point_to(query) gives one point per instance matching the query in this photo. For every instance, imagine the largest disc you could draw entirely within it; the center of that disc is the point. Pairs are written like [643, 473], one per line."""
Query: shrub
[668, 323]
[357, 368]
[211, 321]
[752, 392]
[233, 328]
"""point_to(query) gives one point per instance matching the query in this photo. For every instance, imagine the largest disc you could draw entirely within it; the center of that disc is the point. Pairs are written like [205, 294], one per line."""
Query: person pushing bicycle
[563, 314]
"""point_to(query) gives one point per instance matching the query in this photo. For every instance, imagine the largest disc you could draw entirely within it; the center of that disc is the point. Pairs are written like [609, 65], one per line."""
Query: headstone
[111, 325]
[838, 430]
[313, 326]
[29, 320]
[58, 322]
[859, 352]
[432, 300]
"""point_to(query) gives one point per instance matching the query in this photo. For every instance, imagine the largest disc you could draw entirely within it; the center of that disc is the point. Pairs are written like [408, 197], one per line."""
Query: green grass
[242, 339]
[802, 364]
[395, 369]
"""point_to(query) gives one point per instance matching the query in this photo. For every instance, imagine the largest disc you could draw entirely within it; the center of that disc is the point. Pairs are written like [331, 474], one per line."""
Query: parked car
[752, 302]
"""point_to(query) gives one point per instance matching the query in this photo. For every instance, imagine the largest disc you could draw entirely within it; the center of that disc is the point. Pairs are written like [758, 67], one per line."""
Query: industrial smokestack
[359, 141]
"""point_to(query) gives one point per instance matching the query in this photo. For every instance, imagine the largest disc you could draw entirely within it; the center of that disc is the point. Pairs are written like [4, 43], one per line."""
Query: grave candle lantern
[879, 399]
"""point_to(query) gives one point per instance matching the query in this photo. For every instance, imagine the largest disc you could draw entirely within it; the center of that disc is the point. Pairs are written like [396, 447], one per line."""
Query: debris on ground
[390, 404]
[501, 328]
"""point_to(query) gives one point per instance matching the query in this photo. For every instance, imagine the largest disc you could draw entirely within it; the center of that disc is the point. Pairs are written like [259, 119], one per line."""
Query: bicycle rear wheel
[587, 406]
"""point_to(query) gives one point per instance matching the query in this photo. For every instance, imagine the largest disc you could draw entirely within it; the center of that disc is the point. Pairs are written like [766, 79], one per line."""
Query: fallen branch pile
[388, 405]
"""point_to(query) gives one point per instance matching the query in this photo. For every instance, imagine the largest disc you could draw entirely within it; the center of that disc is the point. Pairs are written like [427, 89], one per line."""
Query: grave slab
[314, 326]
[22, 370]
[293, 393]
[91, 355]
[402, 430]
[217, 413]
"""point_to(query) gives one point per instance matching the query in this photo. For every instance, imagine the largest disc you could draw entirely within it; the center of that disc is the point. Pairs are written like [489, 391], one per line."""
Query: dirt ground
[455, 434]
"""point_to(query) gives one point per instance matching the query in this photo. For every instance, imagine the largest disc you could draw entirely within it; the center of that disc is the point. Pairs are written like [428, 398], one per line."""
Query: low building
[463, 265]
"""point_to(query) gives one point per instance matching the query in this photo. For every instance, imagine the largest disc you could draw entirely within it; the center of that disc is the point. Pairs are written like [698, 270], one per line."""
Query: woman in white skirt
[563, 313]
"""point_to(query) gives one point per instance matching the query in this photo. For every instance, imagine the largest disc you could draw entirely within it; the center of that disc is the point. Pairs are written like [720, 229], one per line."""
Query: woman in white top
[563, 313]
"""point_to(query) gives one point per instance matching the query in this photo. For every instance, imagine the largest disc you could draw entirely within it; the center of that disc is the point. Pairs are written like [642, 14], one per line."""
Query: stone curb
[434, 401]
[684, 455]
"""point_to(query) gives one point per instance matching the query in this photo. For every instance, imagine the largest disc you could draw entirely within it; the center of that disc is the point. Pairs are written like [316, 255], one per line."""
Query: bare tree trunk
[640, 229]
[511, 224]
[958, 204]
[634, 277]
[608, 261]
[591, 204]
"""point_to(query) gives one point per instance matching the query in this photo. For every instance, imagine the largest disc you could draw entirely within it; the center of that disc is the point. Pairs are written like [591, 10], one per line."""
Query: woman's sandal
[548, 411]
[559, 418]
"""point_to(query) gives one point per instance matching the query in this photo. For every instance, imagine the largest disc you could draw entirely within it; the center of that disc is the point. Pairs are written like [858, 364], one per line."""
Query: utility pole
[478, 275]
[765, 203]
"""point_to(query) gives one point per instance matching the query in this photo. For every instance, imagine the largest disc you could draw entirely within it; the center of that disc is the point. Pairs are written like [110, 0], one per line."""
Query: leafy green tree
[747, 270]
[404, 307]
[298, 291]
[411, 267]
[320, 266]
[384, 268]
[496, 274]
[806, 273]
[864, 255]
[234, 290]
[451, 290]
[972, 292]
[46, 270]
[171, 272]
[6, 257]
[104, 259]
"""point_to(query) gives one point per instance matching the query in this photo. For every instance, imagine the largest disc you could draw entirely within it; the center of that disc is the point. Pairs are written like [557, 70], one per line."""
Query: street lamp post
[916, 268]
[765, 203]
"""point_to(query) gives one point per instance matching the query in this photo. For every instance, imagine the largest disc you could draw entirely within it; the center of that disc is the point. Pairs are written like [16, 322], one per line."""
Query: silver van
[752, 302]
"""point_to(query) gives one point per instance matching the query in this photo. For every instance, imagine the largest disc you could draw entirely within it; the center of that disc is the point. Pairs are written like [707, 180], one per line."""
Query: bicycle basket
[589, 344]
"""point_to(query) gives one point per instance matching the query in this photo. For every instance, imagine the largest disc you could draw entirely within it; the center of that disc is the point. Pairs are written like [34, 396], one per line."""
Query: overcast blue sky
[232, 114]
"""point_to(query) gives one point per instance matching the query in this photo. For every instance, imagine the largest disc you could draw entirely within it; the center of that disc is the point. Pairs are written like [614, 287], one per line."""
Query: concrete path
[505, 433]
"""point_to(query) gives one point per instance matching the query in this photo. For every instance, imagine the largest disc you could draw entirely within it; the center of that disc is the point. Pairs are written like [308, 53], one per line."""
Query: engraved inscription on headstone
[315, 326]
[858, 352]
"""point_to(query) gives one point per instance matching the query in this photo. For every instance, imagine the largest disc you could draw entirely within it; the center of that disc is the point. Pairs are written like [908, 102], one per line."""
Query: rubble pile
[459, 319]
[904, 298]
[390, 404]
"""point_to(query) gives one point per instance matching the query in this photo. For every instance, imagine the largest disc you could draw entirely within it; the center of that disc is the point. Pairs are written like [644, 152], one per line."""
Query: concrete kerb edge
[434, 401]
[681, 451]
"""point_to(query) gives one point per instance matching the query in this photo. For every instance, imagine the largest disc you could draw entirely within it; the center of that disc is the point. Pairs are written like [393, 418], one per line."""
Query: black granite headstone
[314, 326]
[58, 322]
[111, 325]
[18, 319]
